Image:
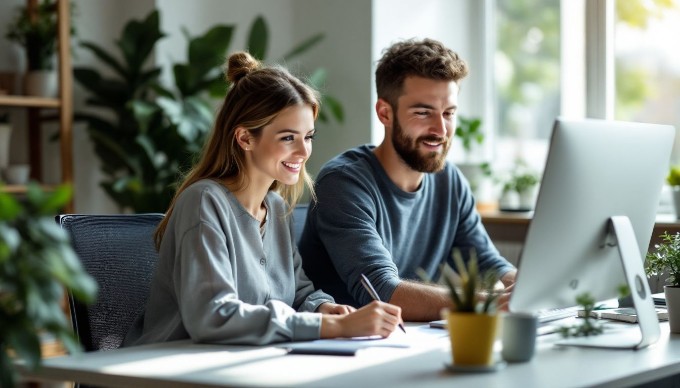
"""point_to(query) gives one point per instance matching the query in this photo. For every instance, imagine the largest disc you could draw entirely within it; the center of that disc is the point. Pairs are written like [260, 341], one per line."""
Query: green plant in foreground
[665, 259]
[472, 292]
[36, 263]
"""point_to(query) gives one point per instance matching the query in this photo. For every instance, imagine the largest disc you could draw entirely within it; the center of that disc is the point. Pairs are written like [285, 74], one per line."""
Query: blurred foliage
[528, 56]
[36, 263]
[147, 134]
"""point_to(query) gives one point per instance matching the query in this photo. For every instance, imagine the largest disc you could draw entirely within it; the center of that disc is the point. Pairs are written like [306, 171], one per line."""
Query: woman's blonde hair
[257, 95]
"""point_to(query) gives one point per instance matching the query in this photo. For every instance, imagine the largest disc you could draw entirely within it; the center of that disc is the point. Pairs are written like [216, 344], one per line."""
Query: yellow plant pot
[472, 337]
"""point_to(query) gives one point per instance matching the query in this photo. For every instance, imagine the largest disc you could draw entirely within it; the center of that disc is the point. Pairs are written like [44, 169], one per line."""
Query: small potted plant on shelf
[473, 320]
[36, 263]
[673, 179]
[36, 31]
[665, 260]
[5, 135]
[519, 189]
[469, 130]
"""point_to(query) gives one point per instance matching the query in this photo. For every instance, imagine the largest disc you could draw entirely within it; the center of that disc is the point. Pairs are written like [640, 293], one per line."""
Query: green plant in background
[673, 177]
[36, 263]
[469, 131]
[665, 259]
[153, 133]
[39, 35]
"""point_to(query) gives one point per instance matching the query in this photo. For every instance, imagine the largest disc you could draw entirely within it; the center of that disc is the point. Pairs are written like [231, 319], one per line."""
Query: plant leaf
[303, 47]
[258, 38]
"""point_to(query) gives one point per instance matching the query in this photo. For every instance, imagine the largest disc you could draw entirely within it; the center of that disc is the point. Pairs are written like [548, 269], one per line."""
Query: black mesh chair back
[118, 252]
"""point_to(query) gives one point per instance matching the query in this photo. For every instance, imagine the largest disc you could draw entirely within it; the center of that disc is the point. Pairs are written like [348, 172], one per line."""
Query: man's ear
[385, 112]
[244, 139]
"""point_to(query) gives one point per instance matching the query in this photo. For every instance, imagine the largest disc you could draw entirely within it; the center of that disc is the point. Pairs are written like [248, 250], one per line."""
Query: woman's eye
[287, 138]
[310, 137]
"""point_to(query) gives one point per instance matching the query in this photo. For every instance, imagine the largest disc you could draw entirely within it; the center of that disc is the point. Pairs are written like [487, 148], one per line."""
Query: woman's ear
[244, 139]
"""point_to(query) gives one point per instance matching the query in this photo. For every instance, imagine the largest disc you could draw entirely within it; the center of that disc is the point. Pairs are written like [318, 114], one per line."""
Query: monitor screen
[595, 169]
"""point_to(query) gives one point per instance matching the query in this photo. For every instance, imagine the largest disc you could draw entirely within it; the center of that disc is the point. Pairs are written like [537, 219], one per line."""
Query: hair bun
[239, 65]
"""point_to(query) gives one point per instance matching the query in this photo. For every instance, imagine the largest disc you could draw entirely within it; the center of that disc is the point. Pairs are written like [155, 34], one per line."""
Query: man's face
[427, 110]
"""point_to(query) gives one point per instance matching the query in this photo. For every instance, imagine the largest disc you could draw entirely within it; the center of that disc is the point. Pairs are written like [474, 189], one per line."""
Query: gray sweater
[364, 223]
[219, 280]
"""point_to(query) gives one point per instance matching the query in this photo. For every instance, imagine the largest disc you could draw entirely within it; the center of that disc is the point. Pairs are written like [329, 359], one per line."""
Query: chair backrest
[299, 217]
[119, 253]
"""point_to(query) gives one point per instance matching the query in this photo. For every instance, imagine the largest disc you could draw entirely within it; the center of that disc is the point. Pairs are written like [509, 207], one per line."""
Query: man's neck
[400, 173]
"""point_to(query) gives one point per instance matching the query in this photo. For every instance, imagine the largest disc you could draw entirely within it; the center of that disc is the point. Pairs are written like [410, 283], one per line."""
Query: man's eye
[424, 113]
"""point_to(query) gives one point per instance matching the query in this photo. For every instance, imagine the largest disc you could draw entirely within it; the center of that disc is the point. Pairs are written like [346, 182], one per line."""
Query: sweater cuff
[306, 326]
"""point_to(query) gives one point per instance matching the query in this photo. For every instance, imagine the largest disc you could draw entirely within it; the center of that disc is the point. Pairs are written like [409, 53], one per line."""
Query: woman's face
[284, 145]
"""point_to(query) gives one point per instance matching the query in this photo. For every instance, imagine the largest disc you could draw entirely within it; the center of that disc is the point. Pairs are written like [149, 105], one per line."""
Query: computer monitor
[593, 219]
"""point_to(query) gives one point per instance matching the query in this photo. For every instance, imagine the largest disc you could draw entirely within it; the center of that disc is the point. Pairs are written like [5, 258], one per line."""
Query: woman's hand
[376, 318]
[335, 309]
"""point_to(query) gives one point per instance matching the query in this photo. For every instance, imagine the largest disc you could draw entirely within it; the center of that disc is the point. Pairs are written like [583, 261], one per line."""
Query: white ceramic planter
[5, 136]
[675, 191]
[41, 83]
[673, 305]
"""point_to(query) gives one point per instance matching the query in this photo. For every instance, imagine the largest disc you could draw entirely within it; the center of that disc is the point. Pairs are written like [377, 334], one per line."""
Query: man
[386, 211]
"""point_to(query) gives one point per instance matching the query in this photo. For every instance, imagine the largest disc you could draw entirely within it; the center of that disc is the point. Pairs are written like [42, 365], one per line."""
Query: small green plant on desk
[589, 326]
[36, 263]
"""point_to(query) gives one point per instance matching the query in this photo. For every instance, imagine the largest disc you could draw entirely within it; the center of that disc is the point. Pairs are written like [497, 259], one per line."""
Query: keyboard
[544, 316]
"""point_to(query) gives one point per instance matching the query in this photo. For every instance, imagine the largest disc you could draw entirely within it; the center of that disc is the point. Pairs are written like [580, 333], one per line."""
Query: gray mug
[519, 337]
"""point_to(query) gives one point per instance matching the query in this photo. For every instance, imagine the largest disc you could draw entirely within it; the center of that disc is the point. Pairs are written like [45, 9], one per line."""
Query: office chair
[299, 217]
[119, 253]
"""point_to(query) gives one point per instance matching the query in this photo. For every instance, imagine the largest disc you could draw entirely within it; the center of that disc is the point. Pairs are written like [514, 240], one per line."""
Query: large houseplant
[152, 133]
[665, 260]
[36, 263]
[473, 321]
[36, 31]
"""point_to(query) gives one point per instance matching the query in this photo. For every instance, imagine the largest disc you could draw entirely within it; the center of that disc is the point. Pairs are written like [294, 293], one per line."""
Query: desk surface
[186, 364]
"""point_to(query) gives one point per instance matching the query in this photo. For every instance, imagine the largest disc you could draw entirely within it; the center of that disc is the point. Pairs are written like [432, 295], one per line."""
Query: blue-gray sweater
[363, 223]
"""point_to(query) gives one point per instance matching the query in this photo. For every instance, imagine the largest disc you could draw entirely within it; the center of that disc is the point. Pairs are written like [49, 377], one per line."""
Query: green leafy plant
[469, 131]
[665, 259]
[673, 177]
[151, 133]
[520, 179]
[589, 326]
[37, 35]
[36, 263]
[471, 292]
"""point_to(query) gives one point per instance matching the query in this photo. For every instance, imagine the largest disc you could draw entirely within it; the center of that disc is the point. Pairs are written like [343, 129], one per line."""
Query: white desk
[185, 364]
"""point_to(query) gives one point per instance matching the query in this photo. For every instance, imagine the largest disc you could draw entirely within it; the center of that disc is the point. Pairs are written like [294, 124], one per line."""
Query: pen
[369, 287]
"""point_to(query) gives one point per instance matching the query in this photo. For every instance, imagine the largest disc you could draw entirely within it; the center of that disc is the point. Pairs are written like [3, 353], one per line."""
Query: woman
[228, 270]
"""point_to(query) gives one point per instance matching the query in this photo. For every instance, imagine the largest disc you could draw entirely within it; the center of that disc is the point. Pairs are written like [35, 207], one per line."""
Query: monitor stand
[624, 239]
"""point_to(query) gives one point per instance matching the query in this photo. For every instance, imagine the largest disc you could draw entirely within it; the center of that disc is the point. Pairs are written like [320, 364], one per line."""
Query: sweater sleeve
[209, 303]
[346, 221]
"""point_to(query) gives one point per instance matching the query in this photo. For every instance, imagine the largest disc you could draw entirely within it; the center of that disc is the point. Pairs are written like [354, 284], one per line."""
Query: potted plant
[36, 263]
[665, 260]
[5, 135]
[473, 320]
[36, 31]
[673, 179]
[519, 189]
[149, 133]
[470, 133]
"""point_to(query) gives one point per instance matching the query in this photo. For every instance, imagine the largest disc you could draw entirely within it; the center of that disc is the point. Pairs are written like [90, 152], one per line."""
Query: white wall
[356, 32]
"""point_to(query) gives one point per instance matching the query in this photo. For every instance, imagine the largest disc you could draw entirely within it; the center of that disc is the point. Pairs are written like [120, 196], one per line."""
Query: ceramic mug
[519, 337]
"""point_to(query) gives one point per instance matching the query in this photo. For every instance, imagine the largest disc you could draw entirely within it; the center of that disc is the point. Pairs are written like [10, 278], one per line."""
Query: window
[540, 71]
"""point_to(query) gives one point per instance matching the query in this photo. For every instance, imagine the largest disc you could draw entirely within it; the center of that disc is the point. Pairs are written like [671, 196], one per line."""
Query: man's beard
[407, 149]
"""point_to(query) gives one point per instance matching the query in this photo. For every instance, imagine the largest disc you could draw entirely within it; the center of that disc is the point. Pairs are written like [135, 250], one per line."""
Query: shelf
[29, 101]
[21, 189]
